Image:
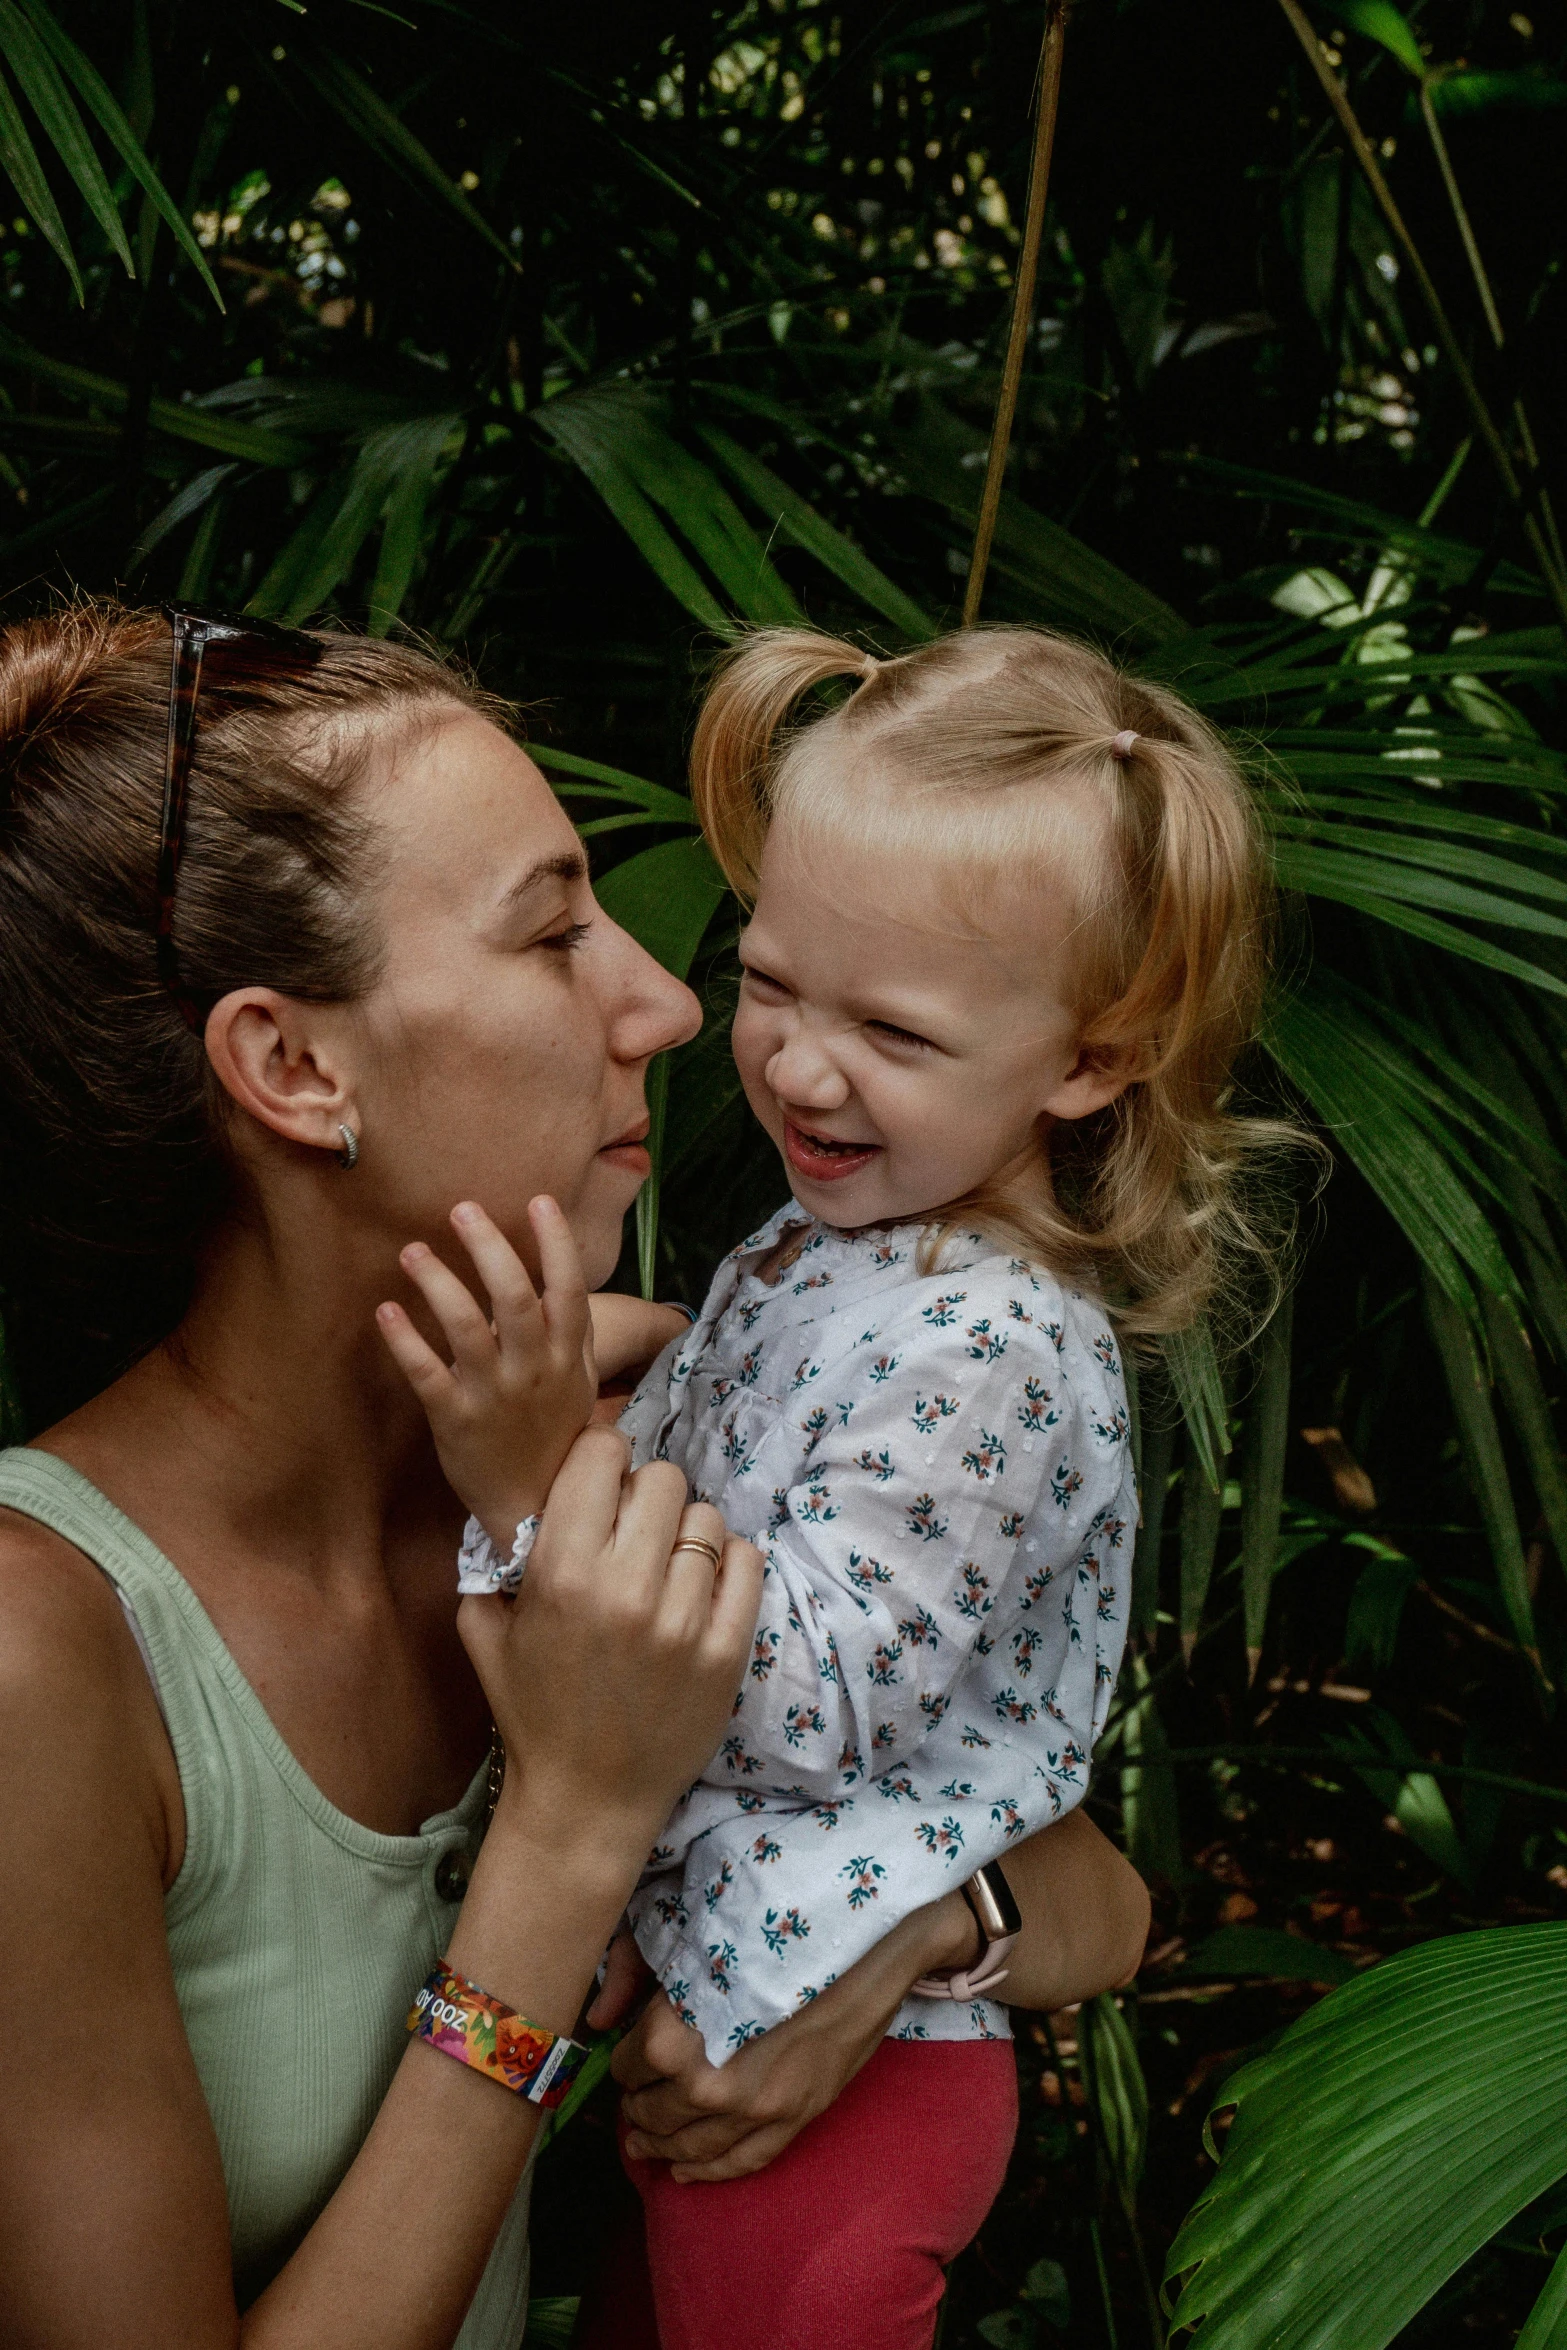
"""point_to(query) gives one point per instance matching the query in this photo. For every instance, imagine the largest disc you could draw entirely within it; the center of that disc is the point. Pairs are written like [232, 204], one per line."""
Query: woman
[244, 1060]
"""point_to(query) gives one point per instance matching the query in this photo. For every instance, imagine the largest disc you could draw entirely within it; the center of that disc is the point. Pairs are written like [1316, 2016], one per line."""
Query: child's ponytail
[733, 751]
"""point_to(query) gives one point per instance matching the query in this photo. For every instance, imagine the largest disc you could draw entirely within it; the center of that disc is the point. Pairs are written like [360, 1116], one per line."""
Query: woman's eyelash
[564, 941]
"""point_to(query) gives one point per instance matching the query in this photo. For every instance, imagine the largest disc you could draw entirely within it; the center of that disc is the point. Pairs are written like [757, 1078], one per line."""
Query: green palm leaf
[20, 159]
[591, 779]
[100, 102]
[1546, 2328]
[1449, 561]
[386, 460]
[579, 433]
[1193, 1365]
[666, 898]
[421, 452]
[1262, 1475]
[50, 100]
[1379, 1109]
[385, 133]
[789, 512]
[183, 420]
[617, 435]
[1481, 1440]
[1425, 872]
[1388, 2135]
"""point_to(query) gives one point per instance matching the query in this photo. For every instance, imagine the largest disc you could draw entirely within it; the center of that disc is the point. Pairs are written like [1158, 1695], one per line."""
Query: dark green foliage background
[571, 337]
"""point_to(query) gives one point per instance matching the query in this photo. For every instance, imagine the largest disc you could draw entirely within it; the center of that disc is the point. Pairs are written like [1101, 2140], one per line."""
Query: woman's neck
[272, 1413]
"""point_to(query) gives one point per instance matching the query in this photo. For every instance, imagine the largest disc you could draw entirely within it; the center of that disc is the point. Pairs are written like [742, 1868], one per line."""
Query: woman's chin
[599, 1240]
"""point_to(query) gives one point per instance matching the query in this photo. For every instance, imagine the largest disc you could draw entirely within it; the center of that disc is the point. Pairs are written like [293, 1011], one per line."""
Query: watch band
[1000, 1921]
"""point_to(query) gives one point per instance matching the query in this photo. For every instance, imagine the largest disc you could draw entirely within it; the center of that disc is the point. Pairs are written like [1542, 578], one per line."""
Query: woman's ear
[1100, 1073]
[284, 1063]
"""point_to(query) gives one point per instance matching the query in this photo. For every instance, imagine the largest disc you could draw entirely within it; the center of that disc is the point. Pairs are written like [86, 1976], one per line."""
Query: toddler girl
[1004, 947]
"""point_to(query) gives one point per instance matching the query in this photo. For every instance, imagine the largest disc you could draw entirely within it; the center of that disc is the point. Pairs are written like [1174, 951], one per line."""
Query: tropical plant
[577, 343]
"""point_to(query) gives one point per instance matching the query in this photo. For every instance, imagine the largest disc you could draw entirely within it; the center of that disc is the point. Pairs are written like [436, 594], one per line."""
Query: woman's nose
[802, 1071]
[652, 1011]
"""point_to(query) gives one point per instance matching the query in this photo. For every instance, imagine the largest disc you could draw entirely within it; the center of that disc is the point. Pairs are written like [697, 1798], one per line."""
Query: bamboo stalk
[1022, 305]
[1485, 426]
[1493, 317]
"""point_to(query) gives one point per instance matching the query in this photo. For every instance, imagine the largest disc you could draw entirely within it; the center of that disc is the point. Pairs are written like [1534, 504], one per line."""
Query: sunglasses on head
[259, 648]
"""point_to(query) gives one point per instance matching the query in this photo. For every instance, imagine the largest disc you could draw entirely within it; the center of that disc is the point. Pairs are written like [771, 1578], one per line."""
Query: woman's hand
[1085, 1920]
[724, 2122]
[613, 1672]
[518, 1390]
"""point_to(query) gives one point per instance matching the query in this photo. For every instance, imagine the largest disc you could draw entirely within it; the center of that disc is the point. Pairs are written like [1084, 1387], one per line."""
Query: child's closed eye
[899, 1036]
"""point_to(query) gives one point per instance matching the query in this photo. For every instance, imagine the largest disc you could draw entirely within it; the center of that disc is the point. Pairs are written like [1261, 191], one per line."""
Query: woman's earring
[348, 1156]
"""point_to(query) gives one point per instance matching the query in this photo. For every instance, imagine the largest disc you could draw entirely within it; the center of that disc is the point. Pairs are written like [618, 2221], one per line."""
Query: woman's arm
[1085, 1916]
[1085, 1920]
[610, 1677]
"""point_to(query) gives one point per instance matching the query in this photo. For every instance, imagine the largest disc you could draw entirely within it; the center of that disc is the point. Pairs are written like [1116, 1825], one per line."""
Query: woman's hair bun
[43, 663]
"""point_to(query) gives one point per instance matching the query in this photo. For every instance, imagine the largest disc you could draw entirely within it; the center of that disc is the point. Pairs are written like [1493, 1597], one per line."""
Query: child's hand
[507, 1409]
[629, 1331]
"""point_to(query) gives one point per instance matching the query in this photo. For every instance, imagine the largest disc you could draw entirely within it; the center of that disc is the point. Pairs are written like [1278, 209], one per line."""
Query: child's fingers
[513, 1299]
[467, 1328]
[565, 1291]
[420, 1365]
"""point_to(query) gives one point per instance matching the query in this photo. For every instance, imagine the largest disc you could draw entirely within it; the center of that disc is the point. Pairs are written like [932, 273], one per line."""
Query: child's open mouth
[823, 1159]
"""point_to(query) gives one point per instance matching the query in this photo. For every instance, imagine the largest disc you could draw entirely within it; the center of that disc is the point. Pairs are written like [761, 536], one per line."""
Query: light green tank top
[297, 1936]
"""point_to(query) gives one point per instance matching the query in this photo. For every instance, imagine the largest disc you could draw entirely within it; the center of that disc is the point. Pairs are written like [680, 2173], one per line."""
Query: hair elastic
[1121, 748]
[868, 667]
[483, 1570]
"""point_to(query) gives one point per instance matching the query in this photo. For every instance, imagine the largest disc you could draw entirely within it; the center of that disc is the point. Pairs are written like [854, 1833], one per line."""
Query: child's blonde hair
[994, 753]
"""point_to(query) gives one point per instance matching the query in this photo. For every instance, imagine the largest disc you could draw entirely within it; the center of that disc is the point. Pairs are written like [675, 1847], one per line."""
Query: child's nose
[803, 1072]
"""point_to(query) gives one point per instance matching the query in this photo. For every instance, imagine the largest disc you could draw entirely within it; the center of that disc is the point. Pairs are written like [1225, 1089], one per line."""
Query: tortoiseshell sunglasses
[262, 648]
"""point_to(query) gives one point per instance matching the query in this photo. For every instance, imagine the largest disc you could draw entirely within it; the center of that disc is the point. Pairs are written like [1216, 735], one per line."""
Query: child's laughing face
[901, 1061]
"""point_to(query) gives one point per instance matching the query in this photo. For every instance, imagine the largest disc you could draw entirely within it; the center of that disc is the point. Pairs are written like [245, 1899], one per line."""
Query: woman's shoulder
[68, 1660]
[51, 1597]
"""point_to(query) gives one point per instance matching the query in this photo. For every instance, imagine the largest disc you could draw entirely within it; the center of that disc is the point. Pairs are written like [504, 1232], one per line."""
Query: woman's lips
[629, 1150]
[630, 1155]
[822, 1159]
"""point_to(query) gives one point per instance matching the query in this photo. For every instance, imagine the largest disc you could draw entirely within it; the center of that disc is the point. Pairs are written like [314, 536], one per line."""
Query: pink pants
[838, 2245]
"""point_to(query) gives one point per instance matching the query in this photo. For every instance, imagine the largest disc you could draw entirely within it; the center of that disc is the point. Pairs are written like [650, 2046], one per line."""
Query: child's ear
[1097, 1076]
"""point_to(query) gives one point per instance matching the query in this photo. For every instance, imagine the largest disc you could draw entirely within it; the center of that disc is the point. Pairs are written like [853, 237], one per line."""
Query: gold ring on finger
[709, 1550]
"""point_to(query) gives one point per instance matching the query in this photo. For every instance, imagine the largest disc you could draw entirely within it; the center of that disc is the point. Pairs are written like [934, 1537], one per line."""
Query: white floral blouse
[937, 1466]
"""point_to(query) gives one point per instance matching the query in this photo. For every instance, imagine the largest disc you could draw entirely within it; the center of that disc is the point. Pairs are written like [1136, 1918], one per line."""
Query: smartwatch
[1000, 1922]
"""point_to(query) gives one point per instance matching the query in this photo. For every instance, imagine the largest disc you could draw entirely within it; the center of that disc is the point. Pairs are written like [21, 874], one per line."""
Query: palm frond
[49, 35]
[1435, 2075]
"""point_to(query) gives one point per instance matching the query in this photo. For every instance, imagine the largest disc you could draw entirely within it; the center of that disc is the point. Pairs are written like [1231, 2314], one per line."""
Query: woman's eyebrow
[570, 865]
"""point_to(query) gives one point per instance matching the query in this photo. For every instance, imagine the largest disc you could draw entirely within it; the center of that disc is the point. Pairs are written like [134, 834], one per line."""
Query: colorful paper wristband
[464, 2022]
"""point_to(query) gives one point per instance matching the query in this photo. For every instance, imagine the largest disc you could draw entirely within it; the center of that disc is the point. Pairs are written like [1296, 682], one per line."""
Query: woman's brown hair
[1010, 761]
[113, 1171]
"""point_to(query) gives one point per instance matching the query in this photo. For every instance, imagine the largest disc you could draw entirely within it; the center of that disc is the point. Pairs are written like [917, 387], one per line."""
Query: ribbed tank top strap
[188, 1662]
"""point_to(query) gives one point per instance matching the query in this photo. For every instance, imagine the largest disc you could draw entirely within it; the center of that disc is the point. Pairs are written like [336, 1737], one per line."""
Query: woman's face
[503, 1050]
